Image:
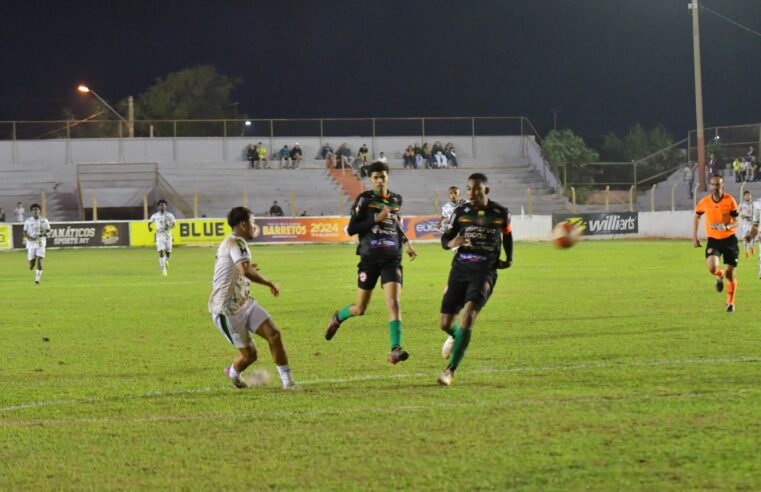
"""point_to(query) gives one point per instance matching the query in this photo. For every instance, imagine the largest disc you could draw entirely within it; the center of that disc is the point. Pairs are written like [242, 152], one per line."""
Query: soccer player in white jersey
[234, 313]
[448, 208]
[753, 233]
[36, 230]
[746, 220]
[165, 222]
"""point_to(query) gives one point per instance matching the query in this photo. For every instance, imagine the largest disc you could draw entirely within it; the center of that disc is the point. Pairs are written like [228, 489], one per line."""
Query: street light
[131, 112]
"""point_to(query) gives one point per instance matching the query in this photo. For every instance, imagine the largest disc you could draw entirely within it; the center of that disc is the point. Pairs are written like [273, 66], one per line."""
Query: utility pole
[131, 117]
[554, 118]
[698, 96]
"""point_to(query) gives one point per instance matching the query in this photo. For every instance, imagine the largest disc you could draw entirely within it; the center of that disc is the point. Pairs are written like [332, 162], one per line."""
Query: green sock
[343, 313]
[395, 332]
[461, 341]
[453, 329]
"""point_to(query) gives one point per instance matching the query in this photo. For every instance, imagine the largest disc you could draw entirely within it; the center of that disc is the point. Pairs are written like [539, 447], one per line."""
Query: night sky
[605, 64]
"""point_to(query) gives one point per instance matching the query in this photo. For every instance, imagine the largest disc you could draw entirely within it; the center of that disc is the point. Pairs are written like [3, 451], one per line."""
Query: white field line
[373, 377]
[151, 419]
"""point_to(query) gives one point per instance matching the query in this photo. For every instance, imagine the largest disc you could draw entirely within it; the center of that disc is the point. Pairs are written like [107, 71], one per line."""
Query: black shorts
[388, 269]
[726, 247]
[466, 286]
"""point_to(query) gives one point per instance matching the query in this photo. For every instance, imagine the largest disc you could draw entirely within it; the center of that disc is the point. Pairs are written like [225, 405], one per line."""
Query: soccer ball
[565, 234]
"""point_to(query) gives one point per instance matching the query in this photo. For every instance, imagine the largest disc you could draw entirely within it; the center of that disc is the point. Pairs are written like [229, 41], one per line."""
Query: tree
[656, 144]
[565, 148]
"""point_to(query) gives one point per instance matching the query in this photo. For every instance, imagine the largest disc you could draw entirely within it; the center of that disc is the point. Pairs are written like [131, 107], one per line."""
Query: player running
[375, 218]
[36, 230]
[746, 219]
[234, 313]
[480, 230]
[448, 208]
[165, 222]
[753, 232]
[721, 220]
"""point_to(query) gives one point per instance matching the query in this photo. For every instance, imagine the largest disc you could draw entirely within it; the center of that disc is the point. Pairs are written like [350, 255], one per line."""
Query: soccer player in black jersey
[480, 229]
[375, 218]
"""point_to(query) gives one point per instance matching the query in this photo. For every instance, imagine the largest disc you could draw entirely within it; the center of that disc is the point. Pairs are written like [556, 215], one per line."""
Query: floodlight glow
[248, 123]
[83, 89]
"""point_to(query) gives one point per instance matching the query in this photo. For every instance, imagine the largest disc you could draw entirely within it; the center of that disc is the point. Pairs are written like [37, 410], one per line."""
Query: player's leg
[712, 262]
[392, 281]
[451, 303]
[31, 256]
[233, 330]
[168, 250]
[38, 272]
[367, 278]
[269, 332]
[730, 253]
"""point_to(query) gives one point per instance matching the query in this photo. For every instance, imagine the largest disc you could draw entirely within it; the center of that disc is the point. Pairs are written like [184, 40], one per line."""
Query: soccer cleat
[37, 282]
[446, 349]
[292, 386]
[446, 378]
[163, 272]
[719, 284]
[730, 308]
[237, 381]
[398, 355]
[332, 326]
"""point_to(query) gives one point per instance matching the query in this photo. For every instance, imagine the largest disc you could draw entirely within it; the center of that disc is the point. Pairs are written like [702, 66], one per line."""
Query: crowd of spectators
[746, 168]
[437, 156]
[258, 156]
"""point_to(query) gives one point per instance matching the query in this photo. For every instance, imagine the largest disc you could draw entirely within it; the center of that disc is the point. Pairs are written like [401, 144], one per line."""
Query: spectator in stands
[737, 167]
[284, 155]
[326, 151]
[689, 177]
[344, 156]
[428, 156]
[438, 155]
[713, 166]
[451, 155]
[275, 210]
[382, 158]
[756, 171]
[296, 156]
[418, 155]
[253, 156]
[409, 157]
[18, 212]
[362, 154]
[263, 159]
[747, 170]
[751, 153]
[2, 215]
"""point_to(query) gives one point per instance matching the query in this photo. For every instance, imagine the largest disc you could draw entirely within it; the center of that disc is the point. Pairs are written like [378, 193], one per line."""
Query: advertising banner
[302, 230]
[187, 231]
[79, 234]
[420, 228]
[6, 236]
[601, 224]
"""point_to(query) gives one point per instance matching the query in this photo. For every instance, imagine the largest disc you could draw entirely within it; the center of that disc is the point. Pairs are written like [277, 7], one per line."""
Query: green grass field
[610, 366]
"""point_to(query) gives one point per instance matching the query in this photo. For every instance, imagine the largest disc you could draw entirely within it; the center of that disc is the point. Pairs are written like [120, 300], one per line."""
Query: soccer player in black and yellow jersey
[480, 229]
[375, 217]
[721, 214]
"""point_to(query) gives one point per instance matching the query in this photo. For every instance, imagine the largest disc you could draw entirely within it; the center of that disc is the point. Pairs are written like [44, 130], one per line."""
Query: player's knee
[251, 356]
[393, 305]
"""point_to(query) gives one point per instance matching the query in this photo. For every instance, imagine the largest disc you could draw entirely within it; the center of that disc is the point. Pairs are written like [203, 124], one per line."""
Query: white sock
[232, 372]
[37, 275]
[285, 374]
[162, 262]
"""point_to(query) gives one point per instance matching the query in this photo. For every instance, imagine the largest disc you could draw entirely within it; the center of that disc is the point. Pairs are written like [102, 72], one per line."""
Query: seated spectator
[296, 156]
[428, 156]
[382, 158]
[409, 157]
[262, 151]
[326, 151]
[418, 155]
[344, 157]
[2, 215]
[756, 170]
[747, 170]
[438, 154]
[451, 155]
[362, 154]
[737, 166]
[253, 156]
[275, 210]
[284, 155]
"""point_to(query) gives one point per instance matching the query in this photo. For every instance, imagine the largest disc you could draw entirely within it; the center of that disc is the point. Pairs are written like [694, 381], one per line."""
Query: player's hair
[478, 177]
[718, 176]
[746, 192]
[238, 215]
[377, 167]
[35, 205]
[453, 188]
[161, 201]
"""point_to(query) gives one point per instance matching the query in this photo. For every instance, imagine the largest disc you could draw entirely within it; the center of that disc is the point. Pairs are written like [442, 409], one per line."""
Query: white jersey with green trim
[164, 221]
[230, 289]
[36, 231]
[745, 209]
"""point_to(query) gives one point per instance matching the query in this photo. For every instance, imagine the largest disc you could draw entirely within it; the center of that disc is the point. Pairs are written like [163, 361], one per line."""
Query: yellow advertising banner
[187, 231]
[6, 236]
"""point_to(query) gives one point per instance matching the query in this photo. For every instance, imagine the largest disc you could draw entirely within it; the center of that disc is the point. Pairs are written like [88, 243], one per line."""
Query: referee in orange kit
[721, 214]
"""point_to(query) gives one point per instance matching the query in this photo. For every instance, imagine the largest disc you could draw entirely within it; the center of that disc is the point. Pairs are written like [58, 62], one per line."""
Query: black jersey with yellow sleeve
[487, 228]
[377, 240]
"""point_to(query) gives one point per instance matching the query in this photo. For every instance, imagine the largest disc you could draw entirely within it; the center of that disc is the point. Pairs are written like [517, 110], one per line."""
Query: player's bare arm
[249, 270]
[695, 224]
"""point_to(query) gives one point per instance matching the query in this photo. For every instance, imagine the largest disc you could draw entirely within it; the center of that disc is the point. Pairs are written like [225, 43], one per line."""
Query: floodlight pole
[698, 96]
[131, 110]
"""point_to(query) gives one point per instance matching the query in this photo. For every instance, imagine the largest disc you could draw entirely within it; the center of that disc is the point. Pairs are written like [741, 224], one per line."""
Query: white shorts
[237, 328]
[744, 229]
[163, 242]
[34, 250]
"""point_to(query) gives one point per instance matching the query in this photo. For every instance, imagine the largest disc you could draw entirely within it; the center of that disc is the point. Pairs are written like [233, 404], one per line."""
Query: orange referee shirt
[720, 212]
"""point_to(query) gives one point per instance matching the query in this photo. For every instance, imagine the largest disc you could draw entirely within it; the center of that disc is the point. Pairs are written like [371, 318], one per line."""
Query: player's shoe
[163, 272]
[398, 355]
[446, 378]
[37, 282]
[237, 381]
[292, 386]
[446, 349]
[719, 284]
[333, 326]
[747, 254]
[753, 250]
[730, 308]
